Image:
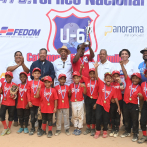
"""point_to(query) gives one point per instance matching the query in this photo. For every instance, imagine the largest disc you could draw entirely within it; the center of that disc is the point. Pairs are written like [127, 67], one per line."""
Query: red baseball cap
[115, 72]
[145, 71]
[136, 74]
[108, 73]
[76, 73]
[24, 73]
[91, 69]
[9, 73]
[61, 75]
[47, 78]
[36, 68]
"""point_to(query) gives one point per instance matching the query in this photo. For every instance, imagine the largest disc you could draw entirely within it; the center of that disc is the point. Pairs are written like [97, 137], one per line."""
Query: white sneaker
[111, 133]
[115, 134]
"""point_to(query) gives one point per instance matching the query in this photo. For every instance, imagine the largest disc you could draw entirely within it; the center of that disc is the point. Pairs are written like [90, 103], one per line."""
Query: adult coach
[80, 58]
[104, 64]
[17, 66]
[63, 65]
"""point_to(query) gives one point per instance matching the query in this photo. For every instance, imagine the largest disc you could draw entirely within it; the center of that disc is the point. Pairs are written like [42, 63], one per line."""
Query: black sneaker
[135, 137]
[67, 132]
[32, 131]
[39, 131]
[87, 131]
[142, 139]
[125, 134]
[50, 134]
[92, 132]
[111, 133]
[57, 132]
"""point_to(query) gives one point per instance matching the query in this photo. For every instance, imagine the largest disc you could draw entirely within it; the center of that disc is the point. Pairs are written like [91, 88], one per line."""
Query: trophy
[88, 31]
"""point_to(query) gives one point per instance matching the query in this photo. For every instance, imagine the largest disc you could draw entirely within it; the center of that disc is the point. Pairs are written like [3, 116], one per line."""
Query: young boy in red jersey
[63, 105]
[143, 119]
[77, 90]
[34, 102]
[114, 115]
[130, 105]
[106, 93]
[92, 95]
[48, 105]
[23, 111]
[7, 103]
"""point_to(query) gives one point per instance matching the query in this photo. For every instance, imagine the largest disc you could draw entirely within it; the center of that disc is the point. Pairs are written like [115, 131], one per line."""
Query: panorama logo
[19, 32]
[68, 28]
[124, 29]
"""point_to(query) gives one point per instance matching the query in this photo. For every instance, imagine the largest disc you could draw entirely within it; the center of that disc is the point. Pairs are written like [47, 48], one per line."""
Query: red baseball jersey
[7, 100]
[144, 90]
[117, 90]
[135, 90]
[48, 97]
[31, 93]
[110, 93]
[22, 99]
[63, 100]
[82, 60]
[79, 95]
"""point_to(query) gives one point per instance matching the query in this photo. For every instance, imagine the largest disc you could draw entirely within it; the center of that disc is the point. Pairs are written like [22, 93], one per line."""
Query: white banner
[29, 25]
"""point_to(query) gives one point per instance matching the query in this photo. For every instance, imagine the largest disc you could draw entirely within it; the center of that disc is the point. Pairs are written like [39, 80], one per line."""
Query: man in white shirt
[63, 65]
[104, 65]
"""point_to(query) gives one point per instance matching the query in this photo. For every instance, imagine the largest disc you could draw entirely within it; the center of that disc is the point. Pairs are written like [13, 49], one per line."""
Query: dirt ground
[24, 140]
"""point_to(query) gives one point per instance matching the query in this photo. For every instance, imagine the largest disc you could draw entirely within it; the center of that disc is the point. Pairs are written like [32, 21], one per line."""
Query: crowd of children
[103, 103]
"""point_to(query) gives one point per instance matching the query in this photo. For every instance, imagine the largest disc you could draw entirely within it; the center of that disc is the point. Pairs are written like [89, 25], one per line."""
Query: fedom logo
[68, 28]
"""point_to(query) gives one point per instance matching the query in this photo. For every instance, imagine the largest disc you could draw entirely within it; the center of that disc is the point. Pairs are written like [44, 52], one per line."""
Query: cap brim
[142, 51]
[68, 51]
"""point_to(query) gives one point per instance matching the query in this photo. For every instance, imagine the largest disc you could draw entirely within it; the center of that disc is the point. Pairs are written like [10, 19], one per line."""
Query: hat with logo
[61, 75]
[136, 74]
[9, 73]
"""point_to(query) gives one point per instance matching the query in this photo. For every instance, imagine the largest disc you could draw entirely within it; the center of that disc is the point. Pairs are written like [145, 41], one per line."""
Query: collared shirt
[142, 67]
[103, 68]
[65, 68]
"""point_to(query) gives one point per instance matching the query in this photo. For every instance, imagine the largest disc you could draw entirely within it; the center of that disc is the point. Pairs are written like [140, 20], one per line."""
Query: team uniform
[63, 106]
[22, 102]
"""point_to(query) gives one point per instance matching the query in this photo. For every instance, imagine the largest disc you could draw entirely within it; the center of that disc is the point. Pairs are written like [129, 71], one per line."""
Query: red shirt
[62, 102]
[7, 100]
[101, 98]
[117, 90]
[79, 95]
[128, 91]
[31, 93]
[22, 100]
[45, 92]
[82, 60]
[143, 88]
[87, 83]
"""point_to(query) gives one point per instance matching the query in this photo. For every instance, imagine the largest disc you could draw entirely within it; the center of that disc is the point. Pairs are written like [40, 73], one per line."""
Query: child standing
[77, 91]
[92, 95]
[63, 105]
[7, 103]
[106, 93]
[48, 105]
[23, 111]
[34, 102]
[114, 115]
[130, 106]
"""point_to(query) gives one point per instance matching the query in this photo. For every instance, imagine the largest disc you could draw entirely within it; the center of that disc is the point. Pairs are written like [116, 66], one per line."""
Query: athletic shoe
[4, 132]
[87, 131]
[135, 137]
[142, 139]
[39, 131]
[57, 132]
[92, 132]
[125, 134]
[32, 131]
[9, 131]
[74, 132]
[20, 130]
[105, 134]
[78, 132]
[26, 130]
[116, 133]
[97, 134]
[67, 132]
[111, 133]
[50, 134]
